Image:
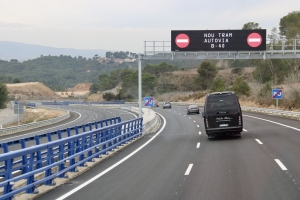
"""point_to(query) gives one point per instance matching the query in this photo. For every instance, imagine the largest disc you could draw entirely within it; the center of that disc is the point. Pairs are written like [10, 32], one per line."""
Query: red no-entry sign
[182, 40]
[254, 40]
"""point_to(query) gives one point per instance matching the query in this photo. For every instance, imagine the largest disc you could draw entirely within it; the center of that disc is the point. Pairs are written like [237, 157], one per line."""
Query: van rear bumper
[224, 130]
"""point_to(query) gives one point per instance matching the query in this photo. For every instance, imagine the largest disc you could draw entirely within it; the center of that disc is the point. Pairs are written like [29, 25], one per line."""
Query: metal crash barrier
[62, 156]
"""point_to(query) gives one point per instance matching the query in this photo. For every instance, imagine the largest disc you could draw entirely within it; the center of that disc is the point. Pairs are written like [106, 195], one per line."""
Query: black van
[222, 114]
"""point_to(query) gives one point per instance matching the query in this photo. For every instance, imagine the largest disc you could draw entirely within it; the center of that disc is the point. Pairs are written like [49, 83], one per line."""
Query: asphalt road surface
[79, 115]
[179, 162]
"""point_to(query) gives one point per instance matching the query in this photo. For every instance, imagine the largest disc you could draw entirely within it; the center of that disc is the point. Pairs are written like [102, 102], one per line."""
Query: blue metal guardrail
[66, 103]
[75, 150]
[50, 136]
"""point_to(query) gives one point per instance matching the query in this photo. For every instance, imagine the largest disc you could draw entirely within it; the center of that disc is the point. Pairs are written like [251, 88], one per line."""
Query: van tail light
[240, 120]
[206, 121]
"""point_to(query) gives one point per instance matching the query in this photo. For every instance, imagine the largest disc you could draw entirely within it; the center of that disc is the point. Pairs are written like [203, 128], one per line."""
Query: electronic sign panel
[218, 40]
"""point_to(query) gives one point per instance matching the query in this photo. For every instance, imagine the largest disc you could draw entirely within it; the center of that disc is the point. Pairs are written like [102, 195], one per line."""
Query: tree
[16, 80]
[289, 25]
[3, 95]
[218, 85]
[241, 87]
[207, 72]
[251, 26]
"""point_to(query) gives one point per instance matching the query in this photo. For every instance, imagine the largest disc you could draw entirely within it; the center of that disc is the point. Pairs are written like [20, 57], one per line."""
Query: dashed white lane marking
[197, 125]
[194, 121]
[187, 172]
[184, 115]
[179, 113]
[244, 130]
[259, 142]
[198, 145]
[199, 132]
[190, 117]
[280, 164]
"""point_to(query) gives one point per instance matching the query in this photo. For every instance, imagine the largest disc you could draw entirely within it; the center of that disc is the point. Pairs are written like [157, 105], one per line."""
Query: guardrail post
[61, 157]
[5, 147]
[71, 153]
[101, 123]
[98, 138]
[38, 154]
[91, 143]
[24, 157]
[119, 119]
[104, 141]
[81, 157]
[76, 130]
[83, 128]
[8, 175]
[141, 127]
[59, 134]
[96, 125]
[30, 179]
[90, 126]
[69, 132]
[49, 137]
[48, 172]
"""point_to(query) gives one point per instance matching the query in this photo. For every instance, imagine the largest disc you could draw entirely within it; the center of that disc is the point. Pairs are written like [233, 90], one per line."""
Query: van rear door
[223, 111]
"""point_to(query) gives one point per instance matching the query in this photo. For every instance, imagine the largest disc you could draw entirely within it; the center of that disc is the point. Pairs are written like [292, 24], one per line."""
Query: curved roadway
[179, 162]
[79, 115]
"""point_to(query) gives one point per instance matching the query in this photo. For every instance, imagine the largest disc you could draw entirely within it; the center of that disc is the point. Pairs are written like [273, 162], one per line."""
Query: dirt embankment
[30, 90]
[39, 114]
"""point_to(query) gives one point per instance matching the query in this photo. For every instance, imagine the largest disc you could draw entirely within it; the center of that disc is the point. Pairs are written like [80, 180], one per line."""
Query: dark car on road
[192, 109]
[167, 105]
[222, 114]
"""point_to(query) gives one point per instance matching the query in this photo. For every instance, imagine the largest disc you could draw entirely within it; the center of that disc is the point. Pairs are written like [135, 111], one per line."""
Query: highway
[79, 115]
[179, 162]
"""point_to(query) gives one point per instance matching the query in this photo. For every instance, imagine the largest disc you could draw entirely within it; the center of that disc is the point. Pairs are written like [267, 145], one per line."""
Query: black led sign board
[218, 40]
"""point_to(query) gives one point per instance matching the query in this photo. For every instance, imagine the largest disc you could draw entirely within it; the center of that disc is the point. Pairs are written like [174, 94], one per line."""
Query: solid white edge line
[258, 141]
[244, 130]
[44, 129]
[273, 122]
[280, 164]
[113, 166]
[187, 172]
[198, 145]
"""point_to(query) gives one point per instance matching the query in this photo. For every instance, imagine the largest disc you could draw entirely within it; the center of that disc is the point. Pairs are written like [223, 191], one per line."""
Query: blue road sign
[149, 101]
[276, 93]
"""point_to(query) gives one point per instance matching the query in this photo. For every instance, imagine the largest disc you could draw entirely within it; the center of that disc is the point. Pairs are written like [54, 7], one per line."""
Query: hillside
[31, 90]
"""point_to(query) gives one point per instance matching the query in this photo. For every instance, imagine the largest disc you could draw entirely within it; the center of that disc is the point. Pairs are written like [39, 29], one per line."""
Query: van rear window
[222, 104]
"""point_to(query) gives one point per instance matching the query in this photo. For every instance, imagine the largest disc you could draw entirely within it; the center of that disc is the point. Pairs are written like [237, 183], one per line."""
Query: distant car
[167, 105]
[156, 104]
[192, 109]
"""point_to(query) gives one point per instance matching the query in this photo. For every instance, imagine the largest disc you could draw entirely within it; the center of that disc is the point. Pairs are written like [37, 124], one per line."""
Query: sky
[124, 25]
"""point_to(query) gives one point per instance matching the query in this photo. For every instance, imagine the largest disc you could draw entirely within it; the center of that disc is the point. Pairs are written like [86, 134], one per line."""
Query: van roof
[220, 93]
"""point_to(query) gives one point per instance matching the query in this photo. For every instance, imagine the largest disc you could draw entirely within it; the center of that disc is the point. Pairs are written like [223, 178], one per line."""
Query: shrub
[241, 87]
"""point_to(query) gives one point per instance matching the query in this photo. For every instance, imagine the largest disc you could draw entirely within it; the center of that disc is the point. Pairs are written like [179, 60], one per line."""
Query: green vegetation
[3, 95]
[241, 87]
[207, 72]
[218, 85]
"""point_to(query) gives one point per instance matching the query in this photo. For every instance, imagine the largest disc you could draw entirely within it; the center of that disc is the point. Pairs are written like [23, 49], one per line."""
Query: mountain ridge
[22, 51]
